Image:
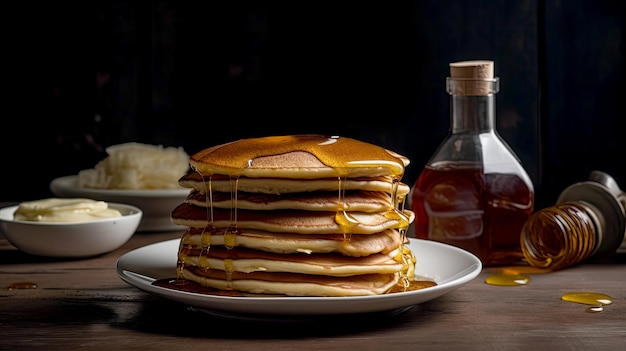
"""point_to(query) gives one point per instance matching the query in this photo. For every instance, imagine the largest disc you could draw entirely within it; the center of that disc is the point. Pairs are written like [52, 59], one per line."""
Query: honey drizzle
[345, 221]
[183, 248]
[396, 212]
[230, 235]
[209, 229]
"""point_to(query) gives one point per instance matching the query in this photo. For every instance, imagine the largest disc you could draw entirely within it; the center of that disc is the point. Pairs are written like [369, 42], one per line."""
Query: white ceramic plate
[156, 205]
[449, 266]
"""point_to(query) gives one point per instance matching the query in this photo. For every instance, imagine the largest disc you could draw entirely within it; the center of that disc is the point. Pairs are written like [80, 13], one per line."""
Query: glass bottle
[588, 221]
[474, 193]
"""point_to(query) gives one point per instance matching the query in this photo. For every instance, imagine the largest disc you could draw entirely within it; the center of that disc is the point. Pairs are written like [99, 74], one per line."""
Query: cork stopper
[472, 77]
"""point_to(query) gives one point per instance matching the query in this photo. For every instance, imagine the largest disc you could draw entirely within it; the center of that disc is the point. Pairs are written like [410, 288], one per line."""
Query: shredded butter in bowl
[137, 166]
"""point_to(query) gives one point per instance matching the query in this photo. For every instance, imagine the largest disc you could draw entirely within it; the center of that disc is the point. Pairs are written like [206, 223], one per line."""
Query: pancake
[222, 183]
[298, 157]
[287, 221]
[355, 200]
[291, 284]
[288, 243]
[247, 261]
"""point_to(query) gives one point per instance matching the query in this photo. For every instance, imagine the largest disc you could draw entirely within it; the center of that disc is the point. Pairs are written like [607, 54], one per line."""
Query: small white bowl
[156, 204]
[71, 239]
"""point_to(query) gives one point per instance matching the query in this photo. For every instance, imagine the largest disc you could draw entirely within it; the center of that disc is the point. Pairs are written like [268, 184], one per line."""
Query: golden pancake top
[299, 157]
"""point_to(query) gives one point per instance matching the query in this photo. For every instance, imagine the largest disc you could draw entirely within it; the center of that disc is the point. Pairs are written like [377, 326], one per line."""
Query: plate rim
[288, 305]
[68, 183]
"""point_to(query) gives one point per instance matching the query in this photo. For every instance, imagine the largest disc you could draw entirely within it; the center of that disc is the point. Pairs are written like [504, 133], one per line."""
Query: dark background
[80, 76]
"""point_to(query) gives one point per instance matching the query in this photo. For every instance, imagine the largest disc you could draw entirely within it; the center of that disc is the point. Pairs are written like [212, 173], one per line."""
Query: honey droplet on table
[596, 300]
[507, 279]
[595, 309]
[21, 285]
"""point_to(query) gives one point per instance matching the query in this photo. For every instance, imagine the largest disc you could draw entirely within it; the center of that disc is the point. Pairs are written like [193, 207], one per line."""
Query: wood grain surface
[82, 304]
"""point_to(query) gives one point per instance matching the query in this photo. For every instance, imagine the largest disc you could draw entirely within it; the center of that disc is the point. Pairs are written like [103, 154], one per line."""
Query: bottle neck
[473, 104]
[472, 114]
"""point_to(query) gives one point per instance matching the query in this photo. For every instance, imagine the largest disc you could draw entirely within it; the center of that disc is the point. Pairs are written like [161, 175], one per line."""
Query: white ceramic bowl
[156, 205]
[71, 239]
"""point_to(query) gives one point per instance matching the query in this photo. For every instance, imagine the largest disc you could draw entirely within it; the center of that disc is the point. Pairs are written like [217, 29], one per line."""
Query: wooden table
[83, 304]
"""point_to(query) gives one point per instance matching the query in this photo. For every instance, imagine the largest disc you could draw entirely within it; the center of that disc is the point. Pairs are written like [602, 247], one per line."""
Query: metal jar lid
[601, 192]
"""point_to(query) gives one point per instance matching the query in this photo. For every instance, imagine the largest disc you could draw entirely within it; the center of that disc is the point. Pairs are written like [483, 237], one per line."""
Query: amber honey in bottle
[474, 193]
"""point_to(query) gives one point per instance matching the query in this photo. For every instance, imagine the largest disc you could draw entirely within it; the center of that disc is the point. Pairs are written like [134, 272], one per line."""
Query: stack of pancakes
[300, 215]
